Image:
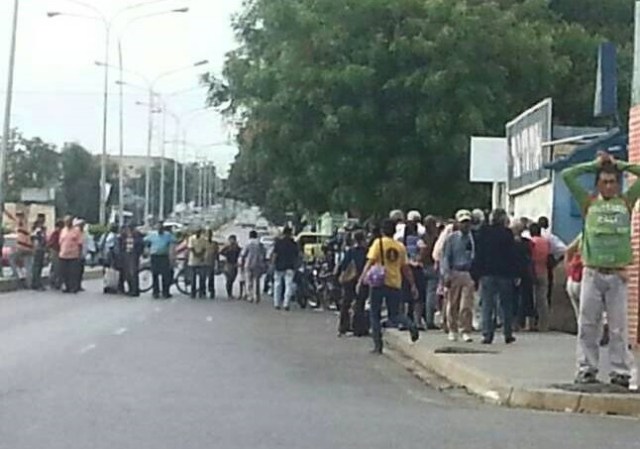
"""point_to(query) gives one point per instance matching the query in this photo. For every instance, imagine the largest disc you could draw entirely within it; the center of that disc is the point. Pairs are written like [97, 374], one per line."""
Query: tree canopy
[368, 105]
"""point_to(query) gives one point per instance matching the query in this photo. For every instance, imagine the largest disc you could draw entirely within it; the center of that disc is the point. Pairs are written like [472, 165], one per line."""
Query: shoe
[587, 378]
[277, 307]
[453, 336]
[432, 327]
[621, 380]
[486, 341]
[466, 338]
[509, 340]
[415, 334]
[376, 351]
[167, 296]
[287, 308]
[155, 296]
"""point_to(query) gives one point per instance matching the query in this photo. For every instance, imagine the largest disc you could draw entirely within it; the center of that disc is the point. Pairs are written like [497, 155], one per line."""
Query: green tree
[80, 183]
[368, 105]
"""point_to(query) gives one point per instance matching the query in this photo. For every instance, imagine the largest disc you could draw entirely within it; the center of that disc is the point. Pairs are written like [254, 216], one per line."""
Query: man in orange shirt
[70, 252]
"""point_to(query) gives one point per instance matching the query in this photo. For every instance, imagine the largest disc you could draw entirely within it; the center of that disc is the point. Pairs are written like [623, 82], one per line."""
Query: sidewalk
[535, 372]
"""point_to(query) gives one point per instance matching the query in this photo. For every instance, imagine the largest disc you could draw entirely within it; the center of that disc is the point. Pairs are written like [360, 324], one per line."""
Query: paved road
[102, 372]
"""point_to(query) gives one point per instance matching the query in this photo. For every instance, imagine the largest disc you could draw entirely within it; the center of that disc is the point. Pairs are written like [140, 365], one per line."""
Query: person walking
[39, 241]
[413, 242]
[197, 264]
[457, 260]
[540, 252]
[213, 261]
[386, 266]
[496, 264]
[70, 252]
[131, 249]
[231, 253]
[161, 243]
[348, 272]
[606, 253]
[252, 262]
[285, 258]
[53, 246]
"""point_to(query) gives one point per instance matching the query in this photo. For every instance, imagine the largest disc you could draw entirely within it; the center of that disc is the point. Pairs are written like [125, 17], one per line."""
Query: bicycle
[182, 279]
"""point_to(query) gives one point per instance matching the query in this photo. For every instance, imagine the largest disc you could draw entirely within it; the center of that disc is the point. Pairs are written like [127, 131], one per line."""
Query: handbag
[376, 275]
[349, 274]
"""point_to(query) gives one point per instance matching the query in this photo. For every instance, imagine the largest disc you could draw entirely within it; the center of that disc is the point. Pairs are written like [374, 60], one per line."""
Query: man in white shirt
[412, 216]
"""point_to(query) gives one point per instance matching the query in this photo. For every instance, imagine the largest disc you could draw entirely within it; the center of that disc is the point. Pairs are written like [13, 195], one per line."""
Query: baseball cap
[414, 215]
[397, 215]
[463, 215]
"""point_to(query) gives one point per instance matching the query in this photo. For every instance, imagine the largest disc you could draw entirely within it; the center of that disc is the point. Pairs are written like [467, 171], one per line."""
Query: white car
[262, 224]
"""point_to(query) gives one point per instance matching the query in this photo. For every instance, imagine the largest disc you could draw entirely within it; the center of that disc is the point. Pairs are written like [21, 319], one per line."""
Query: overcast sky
[58, 88]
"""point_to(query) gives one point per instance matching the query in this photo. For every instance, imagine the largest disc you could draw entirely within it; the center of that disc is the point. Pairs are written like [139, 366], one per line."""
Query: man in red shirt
[70, 253]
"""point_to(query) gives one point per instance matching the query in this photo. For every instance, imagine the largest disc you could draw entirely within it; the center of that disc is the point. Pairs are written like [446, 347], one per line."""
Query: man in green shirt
[606, 253]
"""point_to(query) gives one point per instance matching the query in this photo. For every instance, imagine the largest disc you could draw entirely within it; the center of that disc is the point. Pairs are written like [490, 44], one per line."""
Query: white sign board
[489, 159]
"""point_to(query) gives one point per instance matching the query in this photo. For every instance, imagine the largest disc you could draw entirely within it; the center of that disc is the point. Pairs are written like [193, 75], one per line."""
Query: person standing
[348, 272]
[496, 264]
[524, 312]
[557, 250]
[457, 260]
[197, 264]
[70, 252]
[88, 248]
[213, 261]
[412, 243]
[53, 245]
[161, 243]
[231, 253]
[39, 241]
[252, 262]
[540, 252]
[131, 249]
[286, 256]
[22, 257]
[429, 240]
[390, 256]
[606, 253]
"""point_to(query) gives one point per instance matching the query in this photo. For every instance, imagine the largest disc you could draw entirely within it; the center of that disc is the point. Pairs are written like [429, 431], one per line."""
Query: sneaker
[376, 351]
[587, 378]
[453, 336]
[509, 340]
[277, 307]
[486, 341]
[286, 309]
[466, 338]
[621, 380]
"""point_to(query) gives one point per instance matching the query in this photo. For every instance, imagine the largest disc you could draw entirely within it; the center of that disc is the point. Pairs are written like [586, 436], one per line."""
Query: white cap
[463, 215]
[414, 215]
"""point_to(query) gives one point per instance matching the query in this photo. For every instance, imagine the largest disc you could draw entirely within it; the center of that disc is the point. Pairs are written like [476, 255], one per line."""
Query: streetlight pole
[7, 108]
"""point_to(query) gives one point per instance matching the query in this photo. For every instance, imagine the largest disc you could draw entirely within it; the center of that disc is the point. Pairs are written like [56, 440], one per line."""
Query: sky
[59, 89]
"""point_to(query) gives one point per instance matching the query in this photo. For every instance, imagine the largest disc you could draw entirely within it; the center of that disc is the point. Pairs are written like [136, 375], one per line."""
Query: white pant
[280, 277]
[603, 292]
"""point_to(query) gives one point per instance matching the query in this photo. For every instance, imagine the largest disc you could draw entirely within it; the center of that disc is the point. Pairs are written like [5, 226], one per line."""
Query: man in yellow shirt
[392, 255]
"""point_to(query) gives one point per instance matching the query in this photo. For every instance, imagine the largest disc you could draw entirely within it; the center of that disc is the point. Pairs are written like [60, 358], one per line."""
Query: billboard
[525, 138]
[489, 159]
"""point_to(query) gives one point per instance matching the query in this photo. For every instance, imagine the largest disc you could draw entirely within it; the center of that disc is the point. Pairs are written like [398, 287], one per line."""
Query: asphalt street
[95, 371]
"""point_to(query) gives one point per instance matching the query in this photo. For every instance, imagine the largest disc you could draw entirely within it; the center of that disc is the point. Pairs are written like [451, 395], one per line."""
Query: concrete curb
[500, 391]
[11, 285]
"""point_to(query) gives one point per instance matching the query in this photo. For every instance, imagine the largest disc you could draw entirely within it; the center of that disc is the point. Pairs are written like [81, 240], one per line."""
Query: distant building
[135, 166]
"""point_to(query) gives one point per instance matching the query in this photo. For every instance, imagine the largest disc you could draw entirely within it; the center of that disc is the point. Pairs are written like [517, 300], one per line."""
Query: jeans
[432, 278]
[253, 284]
[161, 268]
[198, 281]
[230, 274]
[494, 289]
[541, 301]
[279, 278]
[36, 273]
[54, 272]
[211, 280]
[392, 297]
[130, 268]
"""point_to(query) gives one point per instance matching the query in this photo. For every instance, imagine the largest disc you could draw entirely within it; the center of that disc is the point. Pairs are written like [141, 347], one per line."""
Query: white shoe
[453, 336]
[466, 338]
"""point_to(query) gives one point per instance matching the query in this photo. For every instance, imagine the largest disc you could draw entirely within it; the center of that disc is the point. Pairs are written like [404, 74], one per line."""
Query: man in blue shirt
[161, 243]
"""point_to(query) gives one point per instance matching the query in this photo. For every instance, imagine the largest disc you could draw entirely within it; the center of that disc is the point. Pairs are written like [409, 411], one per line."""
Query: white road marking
[120, 331]
[88, 348]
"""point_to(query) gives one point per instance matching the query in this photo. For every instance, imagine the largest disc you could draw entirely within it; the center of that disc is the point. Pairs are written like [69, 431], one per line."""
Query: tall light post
[150, 86]
[108, 23]
[7, 107]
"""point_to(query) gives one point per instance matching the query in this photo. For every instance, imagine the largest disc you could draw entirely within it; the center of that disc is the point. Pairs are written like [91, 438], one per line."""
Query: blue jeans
[432, 279]
[492, 290]
[392, 297]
